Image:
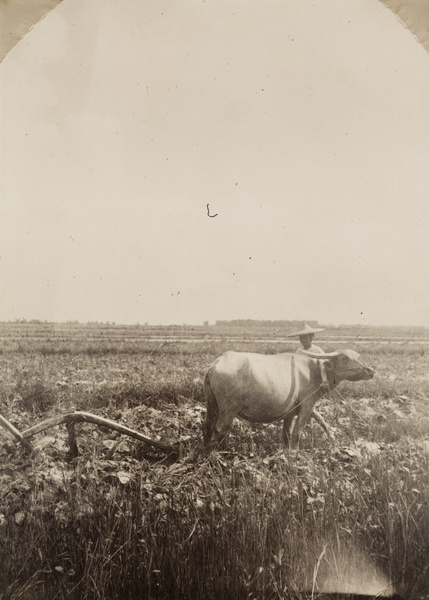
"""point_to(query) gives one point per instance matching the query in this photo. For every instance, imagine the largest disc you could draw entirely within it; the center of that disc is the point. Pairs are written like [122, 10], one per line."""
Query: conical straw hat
[305, 331]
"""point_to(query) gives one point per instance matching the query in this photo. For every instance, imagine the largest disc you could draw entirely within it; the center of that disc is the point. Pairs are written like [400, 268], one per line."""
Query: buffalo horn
[318, 355]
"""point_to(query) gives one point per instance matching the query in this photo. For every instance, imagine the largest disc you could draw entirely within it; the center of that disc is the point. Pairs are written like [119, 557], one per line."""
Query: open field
[126, 521]
[65, 336]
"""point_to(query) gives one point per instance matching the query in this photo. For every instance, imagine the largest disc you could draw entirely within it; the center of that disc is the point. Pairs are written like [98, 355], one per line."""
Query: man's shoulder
[313, 348]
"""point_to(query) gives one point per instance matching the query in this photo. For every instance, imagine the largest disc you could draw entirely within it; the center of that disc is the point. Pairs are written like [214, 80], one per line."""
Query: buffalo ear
[329, 365]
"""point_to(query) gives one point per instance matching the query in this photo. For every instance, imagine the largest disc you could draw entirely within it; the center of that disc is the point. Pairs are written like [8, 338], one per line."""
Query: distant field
[126, 521]
[30, 335]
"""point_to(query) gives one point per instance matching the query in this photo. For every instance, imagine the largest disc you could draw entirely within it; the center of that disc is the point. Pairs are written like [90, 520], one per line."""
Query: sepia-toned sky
[303, 125]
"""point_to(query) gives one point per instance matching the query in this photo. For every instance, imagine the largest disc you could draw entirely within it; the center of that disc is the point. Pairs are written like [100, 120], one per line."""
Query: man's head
[306, 340]
[306, 334]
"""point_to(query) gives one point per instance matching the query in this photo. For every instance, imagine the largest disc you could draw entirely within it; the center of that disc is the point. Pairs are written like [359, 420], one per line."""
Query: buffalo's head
[345, 364]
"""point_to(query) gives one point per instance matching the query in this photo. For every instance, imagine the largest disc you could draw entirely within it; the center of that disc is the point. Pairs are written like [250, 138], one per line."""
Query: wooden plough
[70, 419]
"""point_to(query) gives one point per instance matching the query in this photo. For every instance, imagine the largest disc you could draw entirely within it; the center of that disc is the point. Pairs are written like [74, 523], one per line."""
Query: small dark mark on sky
[208, 212]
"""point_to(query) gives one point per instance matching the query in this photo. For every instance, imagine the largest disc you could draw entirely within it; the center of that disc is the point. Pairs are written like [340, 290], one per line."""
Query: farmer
[306, 335]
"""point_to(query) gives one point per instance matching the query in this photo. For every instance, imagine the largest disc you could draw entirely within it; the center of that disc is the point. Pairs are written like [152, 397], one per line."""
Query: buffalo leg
[303, 417]
[216, 425]
[223, 425]
[292, 429]
[209, 425]
[319, 419]
[212, 415]
[288, 425]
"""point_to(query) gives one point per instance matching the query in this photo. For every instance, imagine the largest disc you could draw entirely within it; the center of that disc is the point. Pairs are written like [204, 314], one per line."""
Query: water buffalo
[266, 388]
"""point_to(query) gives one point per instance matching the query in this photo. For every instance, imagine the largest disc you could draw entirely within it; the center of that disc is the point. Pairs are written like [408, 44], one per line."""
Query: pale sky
[303, 124]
